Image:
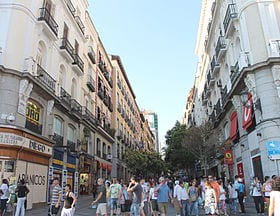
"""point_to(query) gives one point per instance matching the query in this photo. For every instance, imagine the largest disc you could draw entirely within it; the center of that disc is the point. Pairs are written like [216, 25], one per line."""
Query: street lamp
[245, 99]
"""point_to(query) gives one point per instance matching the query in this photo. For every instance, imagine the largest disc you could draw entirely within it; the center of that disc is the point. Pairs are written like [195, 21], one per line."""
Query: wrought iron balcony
[70, 7]
[119, 108]
[79, 62]
[106, 99]
[90, 83]
[47, 17]
[87, 115]
[91, 54]
[218, 108]
[45, 78]
[220, 47]
[224, 95]
[110, 105]
[65, 96]
[58, 139]
[71, 145]
[210, 78]
[231, 13]
[80, 24]
[119, 83]
[101, 66]
[234, 73]
[100, 94]
[215, 66]
[66, 45]
[75, 106]
[37, 128]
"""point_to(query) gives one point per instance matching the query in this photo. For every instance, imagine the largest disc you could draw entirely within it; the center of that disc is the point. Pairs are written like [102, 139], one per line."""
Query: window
[74, 88]
[58, 126]
[70, 133]
[9, 166]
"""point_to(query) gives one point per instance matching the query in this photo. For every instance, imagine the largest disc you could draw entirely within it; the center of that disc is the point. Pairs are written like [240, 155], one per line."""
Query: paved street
[83, 208]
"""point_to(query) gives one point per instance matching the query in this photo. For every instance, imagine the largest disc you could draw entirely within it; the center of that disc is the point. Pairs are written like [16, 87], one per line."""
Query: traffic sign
[273, 150]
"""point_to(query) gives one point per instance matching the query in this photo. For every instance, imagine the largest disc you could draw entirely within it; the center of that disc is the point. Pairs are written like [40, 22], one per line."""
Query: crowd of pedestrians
[153, 196]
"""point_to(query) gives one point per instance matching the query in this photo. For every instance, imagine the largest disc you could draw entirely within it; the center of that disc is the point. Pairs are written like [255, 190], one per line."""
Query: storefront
[25, 156]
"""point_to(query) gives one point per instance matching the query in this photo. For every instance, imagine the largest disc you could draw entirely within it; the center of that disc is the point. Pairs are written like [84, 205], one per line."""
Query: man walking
[115, 194]
[101, 199]
[56, 197]
[137, 191]
[164, 194]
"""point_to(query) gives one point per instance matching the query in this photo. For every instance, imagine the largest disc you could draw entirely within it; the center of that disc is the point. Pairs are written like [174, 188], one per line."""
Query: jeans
[194, 206]
[258, 200]
[233, 205]
[135, 209]
[20, 206]
[185, 208]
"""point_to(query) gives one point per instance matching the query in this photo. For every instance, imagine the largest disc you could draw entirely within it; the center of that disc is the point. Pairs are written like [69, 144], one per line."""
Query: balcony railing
[100, 94]
[231, 13]
[88, 115]
[78, 61]
[224, 95]
[65, 44]
[45, 78]
[58, 139]
[65, 96]
[80, 24]
[91, 54]
[218, 108]
[215, 66]
[220, 47]
[90, 83]
[119, 108]
[234, 73]
[71, 145]
[210, 78]
[75, 106]
[101, 66]
[47, 17]
[37, 128]
[110, 105]
[70, 7]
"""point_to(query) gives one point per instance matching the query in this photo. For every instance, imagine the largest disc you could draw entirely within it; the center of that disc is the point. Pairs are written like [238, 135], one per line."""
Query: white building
[237, 84]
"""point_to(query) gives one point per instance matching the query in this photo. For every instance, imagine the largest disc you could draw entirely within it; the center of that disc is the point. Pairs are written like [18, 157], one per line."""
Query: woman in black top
[21, 190]
[69, 202]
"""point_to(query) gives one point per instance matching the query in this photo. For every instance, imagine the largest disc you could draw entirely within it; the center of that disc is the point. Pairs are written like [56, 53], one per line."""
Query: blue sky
[156, 41]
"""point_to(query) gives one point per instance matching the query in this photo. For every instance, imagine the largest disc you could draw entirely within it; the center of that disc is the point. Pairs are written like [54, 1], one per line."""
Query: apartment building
[60, 103]
[131, 128]
[56, 87]
[152, 119]
[237, 85]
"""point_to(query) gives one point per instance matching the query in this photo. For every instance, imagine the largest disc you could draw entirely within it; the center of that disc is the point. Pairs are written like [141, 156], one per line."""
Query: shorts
[101, 209]
[3, 203]
[114, 202]
[155, 205]
[163, 206]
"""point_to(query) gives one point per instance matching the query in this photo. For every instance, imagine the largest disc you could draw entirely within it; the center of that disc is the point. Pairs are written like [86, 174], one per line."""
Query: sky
[156, 41]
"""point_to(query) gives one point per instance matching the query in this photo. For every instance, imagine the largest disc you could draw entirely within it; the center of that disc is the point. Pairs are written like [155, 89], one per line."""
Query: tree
[179, 157]
[202, 142]
[144, 163]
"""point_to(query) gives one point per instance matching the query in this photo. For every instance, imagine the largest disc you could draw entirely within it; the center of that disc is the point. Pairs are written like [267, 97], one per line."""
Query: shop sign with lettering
[13, 139]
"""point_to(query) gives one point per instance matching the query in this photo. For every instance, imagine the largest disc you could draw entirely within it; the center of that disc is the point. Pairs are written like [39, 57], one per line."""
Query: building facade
[237, 85]
[57, 98]
[152, 119]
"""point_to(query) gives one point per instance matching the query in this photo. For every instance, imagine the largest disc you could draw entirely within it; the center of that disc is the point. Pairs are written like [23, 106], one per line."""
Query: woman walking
[69, 202]
[193, 198]
[274, 206]
[210, 204]
[22, 192]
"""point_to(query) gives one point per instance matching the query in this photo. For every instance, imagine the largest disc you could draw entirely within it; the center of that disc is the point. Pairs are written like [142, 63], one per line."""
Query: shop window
[9, 166]
[33, 117]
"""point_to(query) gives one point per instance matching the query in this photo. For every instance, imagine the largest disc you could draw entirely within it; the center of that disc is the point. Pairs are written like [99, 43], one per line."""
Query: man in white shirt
[177, 204]
[183, 198]
[4, 195]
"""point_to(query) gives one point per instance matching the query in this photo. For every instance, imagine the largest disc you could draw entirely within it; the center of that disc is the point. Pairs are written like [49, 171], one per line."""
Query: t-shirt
[163, 193]
[22, 190]
[4, 188]
[115, 190]
[102, 189]
[55, 194]
[137, 193]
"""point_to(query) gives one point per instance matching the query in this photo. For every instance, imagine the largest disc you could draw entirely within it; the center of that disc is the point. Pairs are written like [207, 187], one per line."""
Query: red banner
[228, 157]
[247, 113]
